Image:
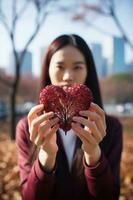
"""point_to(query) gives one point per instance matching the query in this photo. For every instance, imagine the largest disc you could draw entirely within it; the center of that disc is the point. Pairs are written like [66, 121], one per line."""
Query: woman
[85, 163]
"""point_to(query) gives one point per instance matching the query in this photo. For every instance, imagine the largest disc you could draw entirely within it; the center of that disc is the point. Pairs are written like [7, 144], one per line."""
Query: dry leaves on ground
[9, 172]
[127, 169]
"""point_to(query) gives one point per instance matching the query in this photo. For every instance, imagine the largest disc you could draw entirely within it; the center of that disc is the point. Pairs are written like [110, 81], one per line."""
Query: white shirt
[69, 141]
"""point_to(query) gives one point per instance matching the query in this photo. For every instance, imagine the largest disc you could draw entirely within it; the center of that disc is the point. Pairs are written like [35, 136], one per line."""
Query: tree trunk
[12, 114]
[13, 103]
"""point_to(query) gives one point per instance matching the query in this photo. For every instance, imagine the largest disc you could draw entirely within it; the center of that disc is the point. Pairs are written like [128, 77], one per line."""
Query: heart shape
[66, 103]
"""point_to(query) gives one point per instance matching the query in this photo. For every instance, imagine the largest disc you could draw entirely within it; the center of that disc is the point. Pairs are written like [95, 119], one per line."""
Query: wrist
[47, 161]
[93, 158]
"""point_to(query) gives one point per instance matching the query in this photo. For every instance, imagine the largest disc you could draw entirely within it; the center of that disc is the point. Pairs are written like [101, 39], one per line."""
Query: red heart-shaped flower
[66, 103]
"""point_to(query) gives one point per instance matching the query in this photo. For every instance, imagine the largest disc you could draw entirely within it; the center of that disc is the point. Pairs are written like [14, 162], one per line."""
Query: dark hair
[79, 43]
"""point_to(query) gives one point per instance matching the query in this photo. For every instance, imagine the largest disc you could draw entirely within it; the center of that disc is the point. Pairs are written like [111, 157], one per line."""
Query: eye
[60, 67]
[77, 67]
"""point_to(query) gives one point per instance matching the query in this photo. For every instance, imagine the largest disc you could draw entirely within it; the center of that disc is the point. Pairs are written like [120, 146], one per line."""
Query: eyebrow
[79, 62]
[75, 63]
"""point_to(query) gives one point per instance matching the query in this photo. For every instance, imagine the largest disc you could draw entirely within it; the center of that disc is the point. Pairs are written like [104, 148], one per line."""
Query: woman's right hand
[43, 134]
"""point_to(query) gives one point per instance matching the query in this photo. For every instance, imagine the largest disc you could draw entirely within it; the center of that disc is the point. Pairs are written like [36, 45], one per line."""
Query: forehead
[67, 53]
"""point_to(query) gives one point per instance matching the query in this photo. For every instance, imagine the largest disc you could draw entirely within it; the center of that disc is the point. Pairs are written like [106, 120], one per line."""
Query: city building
[118, 65]
[100, 61]
[105, 70]
[129, 67]
[26, 66]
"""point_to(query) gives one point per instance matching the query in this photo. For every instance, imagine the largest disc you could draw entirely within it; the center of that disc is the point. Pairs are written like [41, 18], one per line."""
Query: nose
[68, 75]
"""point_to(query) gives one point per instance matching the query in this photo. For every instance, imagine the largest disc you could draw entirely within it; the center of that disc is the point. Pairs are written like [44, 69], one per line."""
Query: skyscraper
[129, 67]
[26, 66]
[118, 65]
[101, 63]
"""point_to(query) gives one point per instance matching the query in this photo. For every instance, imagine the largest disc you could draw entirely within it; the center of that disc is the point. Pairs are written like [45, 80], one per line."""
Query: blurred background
[26, 29]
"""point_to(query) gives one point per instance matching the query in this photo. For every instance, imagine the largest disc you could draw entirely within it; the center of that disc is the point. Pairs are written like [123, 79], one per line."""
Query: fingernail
[51, 113]
[56, 126]
[40, 104]
[73, 124]
[75, 118]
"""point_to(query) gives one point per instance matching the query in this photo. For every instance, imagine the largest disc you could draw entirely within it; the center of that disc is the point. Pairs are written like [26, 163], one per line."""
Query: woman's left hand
[93, 132]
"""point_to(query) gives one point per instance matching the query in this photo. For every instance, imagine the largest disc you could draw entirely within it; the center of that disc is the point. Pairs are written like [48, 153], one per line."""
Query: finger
[38, 140]
[33, 112]
[82, 120]
[41, 138]
[33, 129]
[38, 120]
[48, 125]
[92, 128]
[38, 137]
[94, 117]
[95, 132]
[84, 134]
[51, 132]
[100, 111]
[77, 131]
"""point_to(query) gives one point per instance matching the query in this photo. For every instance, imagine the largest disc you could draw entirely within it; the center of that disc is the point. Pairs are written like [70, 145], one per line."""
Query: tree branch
[23, 8]
[37, 28]
[108, 12]
[4, 22]
[95, 8]
[116, 20]
[97, 28]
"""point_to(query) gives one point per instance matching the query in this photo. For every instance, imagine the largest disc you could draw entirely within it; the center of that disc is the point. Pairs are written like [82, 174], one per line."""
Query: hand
[43, 133]
[93, 132]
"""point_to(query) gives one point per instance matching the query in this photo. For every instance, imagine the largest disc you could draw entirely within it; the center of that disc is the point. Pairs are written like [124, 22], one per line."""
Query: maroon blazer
[101, 182]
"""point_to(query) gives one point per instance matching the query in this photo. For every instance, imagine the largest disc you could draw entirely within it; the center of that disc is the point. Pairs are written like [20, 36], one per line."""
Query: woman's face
[67, 66]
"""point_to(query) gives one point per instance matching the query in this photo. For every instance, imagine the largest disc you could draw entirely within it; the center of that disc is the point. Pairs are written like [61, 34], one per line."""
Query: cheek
[54, 75]
[83, 76]
[51, 74]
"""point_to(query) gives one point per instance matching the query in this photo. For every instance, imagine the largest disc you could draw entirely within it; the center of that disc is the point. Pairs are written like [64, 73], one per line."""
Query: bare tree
[17, 9]
[105, 8]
